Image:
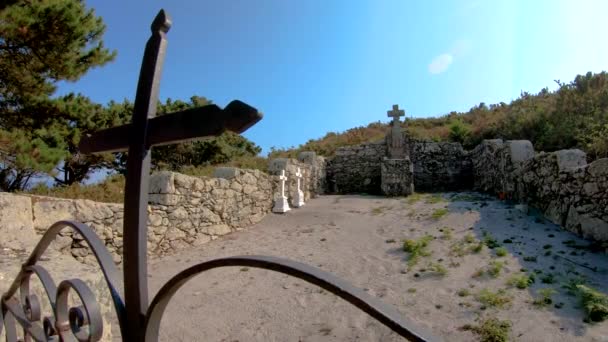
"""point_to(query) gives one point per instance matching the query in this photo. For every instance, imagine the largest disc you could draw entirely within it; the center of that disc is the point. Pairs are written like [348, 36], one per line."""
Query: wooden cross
[395, 113]
[137, 138]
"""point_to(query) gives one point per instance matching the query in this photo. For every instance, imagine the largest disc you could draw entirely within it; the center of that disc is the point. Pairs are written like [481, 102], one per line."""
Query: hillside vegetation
[573, 116]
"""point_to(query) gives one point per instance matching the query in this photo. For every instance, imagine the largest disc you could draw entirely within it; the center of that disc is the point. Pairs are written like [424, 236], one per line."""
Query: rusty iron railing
[138, 319]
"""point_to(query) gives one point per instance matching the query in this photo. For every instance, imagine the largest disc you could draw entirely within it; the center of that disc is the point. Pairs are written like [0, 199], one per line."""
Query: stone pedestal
[397, 177]
[281, 205]
[298, 199]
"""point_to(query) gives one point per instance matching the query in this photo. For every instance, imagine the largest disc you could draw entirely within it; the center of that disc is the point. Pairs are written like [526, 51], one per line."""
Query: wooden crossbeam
[177, 127]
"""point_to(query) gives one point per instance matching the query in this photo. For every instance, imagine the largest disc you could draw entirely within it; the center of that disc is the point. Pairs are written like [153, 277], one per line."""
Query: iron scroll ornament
[139, 320]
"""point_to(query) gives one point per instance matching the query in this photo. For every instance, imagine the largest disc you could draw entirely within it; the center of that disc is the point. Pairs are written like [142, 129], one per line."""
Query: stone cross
[138, 137]
[280, 203]
[298, 200]
[395, 113]
[396, 150]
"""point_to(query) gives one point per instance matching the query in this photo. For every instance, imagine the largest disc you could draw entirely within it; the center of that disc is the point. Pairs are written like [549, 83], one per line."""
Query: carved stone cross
[395, 113]
[298, 199]
[137, 138]
[283, 178]
[280, 202]
[395, 147]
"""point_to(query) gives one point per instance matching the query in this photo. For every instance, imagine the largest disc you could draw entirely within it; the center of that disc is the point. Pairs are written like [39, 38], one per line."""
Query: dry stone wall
[561, 184]
[438, 166]
[183, 211]
[356, 169]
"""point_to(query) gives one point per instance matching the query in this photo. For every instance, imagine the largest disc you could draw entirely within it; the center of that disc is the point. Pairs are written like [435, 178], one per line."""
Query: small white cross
[298, 173]
[395, 113]
[282, 176]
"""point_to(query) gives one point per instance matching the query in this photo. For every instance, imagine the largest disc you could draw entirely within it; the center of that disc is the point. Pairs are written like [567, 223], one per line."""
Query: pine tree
[42, 43]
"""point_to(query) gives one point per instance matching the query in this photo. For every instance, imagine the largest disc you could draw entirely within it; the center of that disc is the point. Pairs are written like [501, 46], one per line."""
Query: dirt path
[359, 239]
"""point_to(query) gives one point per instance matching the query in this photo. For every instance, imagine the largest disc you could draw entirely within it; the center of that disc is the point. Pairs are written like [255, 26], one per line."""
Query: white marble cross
[283, 178]
[280, 203]
[395, 113]
[298, 199]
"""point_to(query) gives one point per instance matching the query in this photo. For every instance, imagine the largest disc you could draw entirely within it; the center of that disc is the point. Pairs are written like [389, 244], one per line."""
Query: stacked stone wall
[356, 169]
[183, 211]
[440, 166]
[561, 184]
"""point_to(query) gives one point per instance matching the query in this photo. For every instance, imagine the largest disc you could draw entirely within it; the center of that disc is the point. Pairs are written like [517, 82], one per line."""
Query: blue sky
[318, 66]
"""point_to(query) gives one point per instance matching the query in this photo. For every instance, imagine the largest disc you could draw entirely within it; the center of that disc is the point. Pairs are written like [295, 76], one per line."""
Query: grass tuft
[594, 303]
[439, 213]
[498, 299]
[417, 249]
[491, 330]
[521, 281]
[544, 297]
[501, 251]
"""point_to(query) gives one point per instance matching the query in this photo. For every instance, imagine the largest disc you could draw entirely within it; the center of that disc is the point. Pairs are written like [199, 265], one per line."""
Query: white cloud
[440, 63]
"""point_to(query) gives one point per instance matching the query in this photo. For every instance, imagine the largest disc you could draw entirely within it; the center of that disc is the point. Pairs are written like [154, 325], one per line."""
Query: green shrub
[435, 199]
[521, 281]
[500, 251]
[413, 198]
[544, 297]
[437, 268]
[417, 248]
[110, 190]
[490, 241]
[463, 292]
[495, 267]
[439, 213]
[491, 330]
[497, 299]
[594, 303]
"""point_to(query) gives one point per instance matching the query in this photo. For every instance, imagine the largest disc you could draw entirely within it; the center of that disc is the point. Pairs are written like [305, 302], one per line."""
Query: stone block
[162, 183]
[397, 177]
[520, 150]
[570, 159]
[276, 165]
[226, 172]
[599, 168]
[16, 223]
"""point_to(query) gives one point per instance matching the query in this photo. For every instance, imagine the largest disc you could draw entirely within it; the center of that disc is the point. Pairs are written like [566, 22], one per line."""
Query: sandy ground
[352, 237]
